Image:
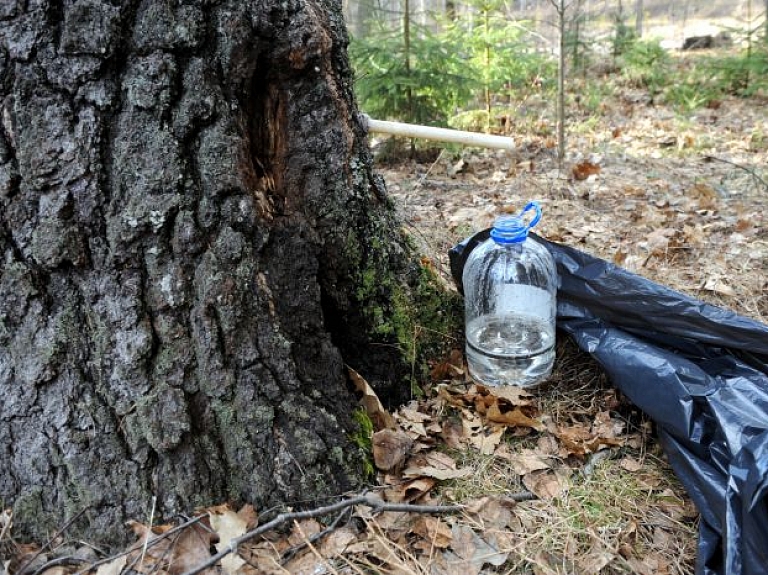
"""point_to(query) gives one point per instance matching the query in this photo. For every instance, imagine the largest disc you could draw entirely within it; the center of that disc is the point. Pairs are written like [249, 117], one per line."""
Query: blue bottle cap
[512, 229]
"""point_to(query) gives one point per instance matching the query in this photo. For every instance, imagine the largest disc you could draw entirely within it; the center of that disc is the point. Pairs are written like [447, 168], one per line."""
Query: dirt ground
[676, 199]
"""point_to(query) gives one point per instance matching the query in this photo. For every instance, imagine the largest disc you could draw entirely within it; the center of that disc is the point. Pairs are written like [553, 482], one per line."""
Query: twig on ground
[315, 552]
[289, 553]
[66, 560]
[750, 171]
[149, 531]
[440, 155]
[522, 496]
[594, 459]
[375, 504]
[7, 525]
[23, 569]
[151, 543]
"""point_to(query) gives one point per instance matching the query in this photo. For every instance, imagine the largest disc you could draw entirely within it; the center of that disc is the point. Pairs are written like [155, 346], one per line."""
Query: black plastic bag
[699, 371]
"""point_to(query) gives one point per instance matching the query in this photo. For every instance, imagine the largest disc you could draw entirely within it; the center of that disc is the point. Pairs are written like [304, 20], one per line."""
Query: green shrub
[466, 66]
[744, 74]
[624, 37]
[645, 64]
[438, 78]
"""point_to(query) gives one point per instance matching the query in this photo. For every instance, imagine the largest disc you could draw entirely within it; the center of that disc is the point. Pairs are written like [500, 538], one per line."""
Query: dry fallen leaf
[413, 421]
[583, 170]
[434, 532]
[513, 418]
[303, 529]
[228, 525]
[486, 440]
[390, 448]
[630, 464]
[657, 242]
[544, 484]
[607, 427]
[176, 554]
[511, 393]
[114, 567]
[434, 464]
[337, 542]
[595, 561]
[380, 417]
[718, 286]
[494, 512]
[579, 440]
[411, 490]
[450, 367]
[452, 433]
[706, 196]
[527, 462]
[471, 547]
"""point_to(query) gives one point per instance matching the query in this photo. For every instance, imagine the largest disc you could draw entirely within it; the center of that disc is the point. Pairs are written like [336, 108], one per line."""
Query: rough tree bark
[193, 245]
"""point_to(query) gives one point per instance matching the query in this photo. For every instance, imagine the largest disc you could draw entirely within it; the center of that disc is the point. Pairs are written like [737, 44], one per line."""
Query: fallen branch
[68, 560]
[375, 504]
[521, 496]
[23, 569]
[750, 171]
[594, 460]
[151, 543]
[288, 554]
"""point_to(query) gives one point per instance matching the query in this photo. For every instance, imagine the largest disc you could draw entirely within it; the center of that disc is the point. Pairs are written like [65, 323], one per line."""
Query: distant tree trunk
[765, 22]
[364, 12]
[560, 7]
[487, 66]
[639, 18]
[193, 246]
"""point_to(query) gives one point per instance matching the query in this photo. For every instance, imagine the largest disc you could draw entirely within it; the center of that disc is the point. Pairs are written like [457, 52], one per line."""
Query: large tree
[192, 246]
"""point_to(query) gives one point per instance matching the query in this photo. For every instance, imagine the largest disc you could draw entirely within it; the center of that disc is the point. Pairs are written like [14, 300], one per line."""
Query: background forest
[475, 64]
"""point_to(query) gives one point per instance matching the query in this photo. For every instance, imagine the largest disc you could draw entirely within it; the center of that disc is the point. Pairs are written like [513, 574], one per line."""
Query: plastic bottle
[510, 287]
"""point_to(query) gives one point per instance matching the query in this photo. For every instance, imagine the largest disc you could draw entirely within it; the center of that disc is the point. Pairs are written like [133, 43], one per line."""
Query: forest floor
[568, 478]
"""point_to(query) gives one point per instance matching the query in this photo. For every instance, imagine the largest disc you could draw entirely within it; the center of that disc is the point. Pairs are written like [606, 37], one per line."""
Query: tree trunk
[561, 10]
[639, 18]
[193, 246]
[765, 22]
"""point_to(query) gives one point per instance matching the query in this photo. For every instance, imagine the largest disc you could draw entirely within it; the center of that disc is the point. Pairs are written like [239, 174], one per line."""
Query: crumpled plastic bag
[699, 371]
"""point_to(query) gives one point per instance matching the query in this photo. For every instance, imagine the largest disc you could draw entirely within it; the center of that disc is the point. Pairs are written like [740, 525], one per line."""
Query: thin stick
[22, 570]
[149, 531]
[439, 134]
[151, 543]
[750, 171]
[594, 459]
[7, 526]
[290, 553]
[371, 502]
[424, 177]
[521, 496]
[314, 551]
[67, 560]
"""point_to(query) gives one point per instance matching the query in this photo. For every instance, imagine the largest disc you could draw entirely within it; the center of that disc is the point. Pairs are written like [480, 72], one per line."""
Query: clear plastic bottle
[510, 287]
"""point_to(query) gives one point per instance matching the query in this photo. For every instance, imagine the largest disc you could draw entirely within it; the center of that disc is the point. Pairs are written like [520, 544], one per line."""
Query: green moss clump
[422, 317]
[401, 311]
[363, 439]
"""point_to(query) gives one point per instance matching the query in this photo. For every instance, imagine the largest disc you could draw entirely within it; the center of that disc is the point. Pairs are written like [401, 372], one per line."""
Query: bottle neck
[515, 247]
